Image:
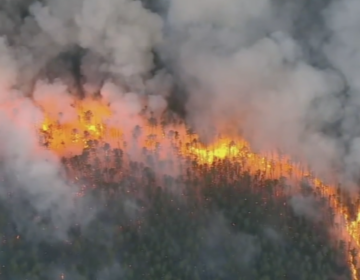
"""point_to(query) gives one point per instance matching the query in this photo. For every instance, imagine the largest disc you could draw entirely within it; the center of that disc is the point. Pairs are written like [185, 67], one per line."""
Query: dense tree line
[213, 222]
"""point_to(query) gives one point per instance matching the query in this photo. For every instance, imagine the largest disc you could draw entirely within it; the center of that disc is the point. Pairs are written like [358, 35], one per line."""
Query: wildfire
[71, 136]
[93, 122]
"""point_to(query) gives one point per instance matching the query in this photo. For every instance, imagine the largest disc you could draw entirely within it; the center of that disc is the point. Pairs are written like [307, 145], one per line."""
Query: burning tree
[174, 208]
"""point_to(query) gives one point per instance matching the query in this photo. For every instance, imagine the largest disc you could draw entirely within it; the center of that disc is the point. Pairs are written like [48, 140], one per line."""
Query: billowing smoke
[50, 50]
[284, 76]
[342, 52]
[33, 189]
[258, 68]
[240, 67]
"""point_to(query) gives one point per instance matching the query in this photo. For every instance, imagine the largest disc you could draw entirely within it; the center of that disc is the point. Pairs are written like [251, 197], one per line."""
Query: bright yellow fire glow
[72, 137]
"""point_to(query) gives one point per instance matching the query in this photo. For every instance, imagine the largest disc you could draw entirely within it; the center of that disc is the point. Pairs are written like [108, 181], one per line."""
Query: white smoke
[32, 184]
[247, 72]
[343, 52]
[305, 206]
[120, 36]
[122, 32]
[242, 66]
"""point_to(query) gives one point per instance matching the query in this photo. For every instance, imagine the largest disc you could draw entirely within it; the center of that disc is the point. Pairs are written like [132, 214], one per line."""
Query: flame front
[72, 136]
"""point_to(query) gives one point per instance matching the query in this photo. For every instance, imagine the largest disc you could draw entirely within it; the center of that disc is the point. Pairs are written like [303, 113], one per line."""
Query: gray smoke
[305, 206]
[49, 49]
[283, 76]
[81, 40]
[220, 243]
[33, 188]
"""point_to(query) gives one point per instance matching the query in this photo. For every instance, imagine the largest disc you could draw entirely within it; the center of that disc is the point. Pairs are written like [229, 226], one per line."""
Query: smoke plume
[283, 76]
[49, 51]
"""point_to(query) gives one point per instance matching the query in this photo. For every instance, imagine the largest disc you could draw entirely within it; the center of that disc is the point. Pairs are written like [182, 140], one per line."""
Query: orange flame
[70, 137]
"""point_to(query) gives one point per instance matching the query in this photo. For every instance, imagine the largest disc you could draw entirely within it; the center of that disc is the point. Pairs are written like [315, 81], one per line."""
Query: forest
[212, 222]
[86, 75]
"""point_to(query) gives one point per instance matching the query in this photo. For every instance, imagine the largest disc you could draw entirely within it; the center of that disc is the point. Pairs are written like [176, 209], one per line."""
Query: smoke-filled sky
[247, 68]
[282, 74]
